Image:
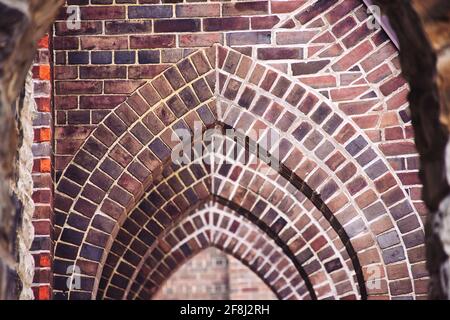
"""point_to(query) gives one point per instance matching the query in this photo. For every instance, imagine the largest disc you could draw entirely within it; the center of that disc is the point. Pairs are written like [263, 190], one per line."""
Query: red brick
[145, 72]
[245, 8]
[398, 148]
[268, 22]
[343, 94]
[314, 10]
[392, 85]
[200, 63]
[366, 122]
[65, 72]
[65, 102]
[356, 108]
[43, 293]
[43, 104]
[45, 165]
[128, 27]
[394, 133]
[200, 40]
[101, 102]
[279, 53]
[353, 56]
[248, 38]
[103, 72]
[104, 42]
[398, 100]
[357, 35]
[42, 134]
[122, 86]
[344, 26]
[152, 41]
[43, 42]
[177, 25]
[327, 81]
[341, 10]
[295, 37]
[286, 6]
[379, 74]
[103, 12]
[223, 24]
[345, 134]
[198, 10]
[78, 87]
[65, 43]
[311, 67]
[409, 178]
[41, 72]
[378, 57]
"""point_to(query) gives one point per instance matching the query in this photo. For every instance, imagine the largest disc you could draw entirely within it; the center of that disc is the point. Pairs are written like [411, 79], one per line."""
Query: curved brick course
[320, 145]
[162, 206]
[225, 230]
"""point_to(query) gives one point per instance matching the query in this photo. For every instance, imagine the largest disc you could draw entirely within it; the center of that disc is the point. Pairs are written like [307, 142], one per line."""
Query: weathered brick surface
[214, 275]
[43, 218]
[358, 99]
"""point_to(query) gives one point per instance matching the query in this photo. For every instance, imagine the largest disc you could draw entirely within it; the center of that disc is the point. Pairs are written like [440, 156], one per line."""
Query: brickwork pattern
[349, 167]
[218, 227]
[244, 284]
[214, 275]
[329, 164]
[204, 277]
[42, 248]
[325, 44]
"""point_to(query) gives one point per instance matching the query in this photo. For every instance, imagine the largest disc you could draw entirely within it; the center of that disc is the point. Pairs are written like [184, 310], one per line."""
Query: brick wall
[120, 46]
[204, 277]
[42, 247]
[213, 275]
[312, 70]
[245, 285]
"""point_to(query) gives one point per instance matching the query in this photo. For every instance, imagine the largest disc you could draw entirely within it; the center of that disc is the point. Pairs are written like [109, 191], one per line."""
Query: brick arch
[162, 207]
[214, 225]
[95, 167]
[134, 124]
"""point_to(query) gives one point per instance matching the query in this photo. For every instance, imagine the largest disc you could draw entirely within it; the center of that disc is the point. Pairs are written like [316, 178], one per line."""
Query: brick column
[43, 183]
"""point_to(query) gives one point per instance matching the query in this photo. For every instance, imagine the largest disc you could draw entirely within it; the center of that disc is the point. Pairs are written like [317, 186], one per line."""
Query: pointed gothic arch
[114, 167]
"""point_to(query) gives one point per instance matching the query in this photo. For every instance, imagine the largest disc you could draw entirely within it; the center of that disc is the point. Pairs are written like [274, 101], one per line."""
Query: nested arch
[314, 253]
[122, 157]
[218, 226]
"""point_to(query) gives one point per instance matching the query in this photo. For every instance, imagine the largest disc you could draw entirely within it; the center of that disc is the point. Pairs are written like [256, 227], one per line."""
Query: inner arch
[235, 207]
[223, 228]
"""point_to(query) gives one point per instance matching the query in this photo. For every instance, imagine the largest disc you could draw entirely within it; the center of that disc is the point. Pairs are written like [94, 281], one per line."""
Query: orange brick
[44, 293]
[45, 134]
[45, 165]
[43, 43]
[44, 72]
[42, 135]
[44, 261]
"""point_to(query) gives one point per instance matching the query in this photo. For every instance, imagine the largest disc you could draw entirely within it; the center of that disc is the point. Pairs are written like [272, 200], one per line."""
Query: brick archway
[299, 229]
[95, 192]
[213, 225]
